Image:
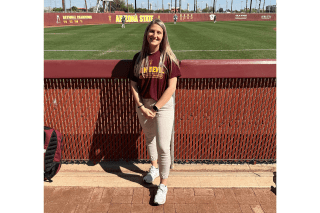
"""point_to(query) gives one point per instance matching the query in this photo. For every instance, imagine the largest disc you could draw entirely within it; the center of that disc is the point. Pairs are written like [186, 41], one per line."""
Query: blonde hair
[165, 50]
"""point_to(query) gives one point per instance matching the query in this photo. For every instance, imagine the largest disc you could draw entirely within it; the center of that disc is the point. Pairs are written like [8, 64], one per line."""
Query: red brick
[256, 209]
[229, 208]
[203, 192]
[81, 208]
[204, 199]
[189, 199]
[137, 208]
[123, 191]
[170, 199]
[96, 195]
[179, 199]
[250, 200]
[269, 208]
[188, 191]
[137, 198]
[98, 207]
[120, 208]
[218, 193]
[178, 191]
[158, 209]
[169, 208]
[107, 195]
[47, 192]
[171, 190]
[122, 199]
[245, 208]
[186, 208]
[69, 208]
[243, 192]
[60, 195]
[224, 196]
[138, 191]
[265, 196]
[208, 208]
[53, 207]
[80, 195]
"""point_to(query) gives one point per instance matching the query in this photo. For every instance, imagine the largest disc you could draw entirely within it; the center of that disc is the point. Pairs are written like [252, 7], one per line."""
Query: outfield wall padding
[64, 19]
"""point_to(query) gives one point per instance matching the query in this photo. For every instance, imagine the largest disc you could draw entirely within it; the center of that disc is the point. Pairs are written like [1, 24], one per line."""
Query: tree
[74, 8]
[85, 1]
[231, 5]
[63, 5]
[206, 10]
[220, 10]
[57, 9]
[250, 5]
[119, 5]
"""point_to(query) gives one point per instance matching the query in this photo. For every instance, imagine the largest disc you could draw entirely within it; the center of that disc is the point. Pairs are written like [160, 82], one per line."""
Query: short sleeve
[132, 77]
[175, 71]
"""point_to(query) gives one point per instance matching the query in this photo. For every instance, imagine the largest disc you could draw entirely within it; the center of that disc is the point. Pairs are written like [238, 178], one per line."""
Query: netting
[216, 120]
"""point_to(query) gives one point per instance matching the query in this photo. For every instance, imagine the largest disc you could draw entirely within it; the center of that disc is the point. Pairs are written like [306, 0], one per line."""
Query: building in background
[271, 8]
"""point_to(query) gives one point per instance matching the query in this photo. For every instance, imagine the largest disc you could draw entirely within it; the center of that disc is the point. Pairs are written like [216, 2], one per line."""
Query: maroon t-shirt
[155, 81]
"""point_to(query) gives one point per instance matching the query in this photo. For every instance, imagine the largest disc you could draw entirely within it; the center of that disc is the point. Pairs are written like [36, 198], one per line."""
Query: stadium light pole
[241, 6]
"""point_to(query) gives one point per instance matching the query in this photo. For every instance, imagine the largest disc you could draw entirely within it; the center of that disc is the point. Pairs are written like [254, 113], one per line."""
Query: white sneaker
[152, 174]
[161, 195]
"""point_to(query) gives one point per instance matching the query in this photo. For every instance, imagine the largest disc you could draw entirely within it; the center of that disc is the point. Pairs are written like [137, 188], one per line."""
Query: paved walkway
[118, 187]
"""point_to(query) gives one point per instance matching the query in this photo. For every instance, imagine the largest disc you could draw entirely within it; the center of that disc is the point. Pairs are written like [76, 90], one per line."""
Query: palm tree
[264, 2]
[85, 1]
[214, 3]
[63, 5]
[231, 5]
[250, 5]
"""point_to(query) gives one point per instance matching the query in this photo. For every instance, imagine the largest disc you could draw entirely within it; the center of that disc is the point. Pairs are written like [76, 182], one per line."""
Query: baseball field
[188, 40]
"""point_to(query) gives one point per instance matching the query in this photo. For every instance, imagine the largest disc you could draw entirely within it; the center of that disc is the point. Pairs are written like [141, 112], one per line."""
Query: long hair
[165, 51]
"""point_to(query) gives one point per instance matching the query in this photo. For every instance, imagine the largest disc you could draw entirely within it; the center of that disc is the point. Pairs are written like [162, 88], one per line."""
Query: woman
[153, 82]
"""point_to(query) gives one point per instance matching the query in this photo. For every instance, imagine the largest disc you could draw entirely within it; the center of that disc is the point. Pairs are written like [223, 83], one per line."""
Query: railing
[225, 111]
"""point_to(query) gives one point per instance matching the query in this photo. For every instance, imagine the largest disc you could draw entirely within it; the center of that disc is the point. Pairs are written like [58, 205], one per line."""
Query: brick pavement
[66, 199]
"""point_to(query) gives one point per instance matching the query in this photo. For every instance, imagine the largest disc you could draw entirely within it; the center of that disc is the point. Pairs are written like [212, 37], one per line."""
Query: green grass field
[188, 40]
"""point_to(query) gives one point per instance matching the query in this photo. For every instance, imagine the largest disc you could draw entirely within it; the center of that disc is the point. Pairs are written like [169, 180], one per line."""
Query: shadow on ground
[114, 168]
[273, 189]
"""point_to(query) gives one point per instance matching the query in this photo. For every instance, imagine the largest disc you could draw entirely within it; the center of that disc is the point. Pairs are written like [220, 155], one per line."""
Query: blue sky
[158, 3]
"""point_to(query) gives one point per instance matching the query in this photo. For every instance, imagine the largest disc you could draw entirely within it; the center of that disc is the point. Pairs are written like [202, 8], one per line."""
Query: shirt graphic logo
[153, 72]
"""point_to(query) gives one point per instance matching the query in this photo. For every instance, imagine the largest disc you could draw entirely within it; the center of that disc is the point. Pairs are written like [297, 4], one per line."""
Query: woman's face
[155, 35]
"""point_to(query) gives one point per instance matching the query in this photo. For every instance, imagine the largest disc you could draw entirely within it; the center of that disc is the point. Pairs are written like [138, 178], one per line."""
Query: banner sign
[134, 18]
[61, 19]
[73, 19]
[266, 17]
[241, 16]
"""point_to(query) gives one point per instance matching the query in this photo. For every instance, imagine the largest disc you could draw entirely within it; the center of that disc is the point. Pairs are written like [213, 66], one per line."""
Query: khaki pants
[158, 134]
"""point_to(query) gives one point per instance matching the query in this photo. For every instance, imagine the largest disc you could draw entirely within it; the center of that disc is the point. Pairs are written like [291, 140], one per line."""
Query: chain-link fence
[223, 119]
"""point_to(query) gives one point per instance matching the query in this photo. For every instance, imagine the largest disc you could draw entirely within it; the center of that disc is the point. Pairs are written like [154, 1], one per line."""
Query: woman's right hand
[147, 112]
